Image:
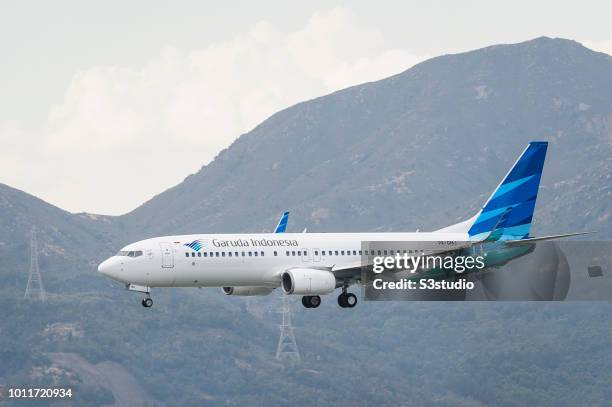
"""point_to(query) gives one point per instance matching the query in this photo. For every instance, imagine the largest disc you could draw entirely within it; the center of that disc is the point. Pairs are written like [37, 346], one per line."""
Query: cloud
[335, 50]
[123, 134]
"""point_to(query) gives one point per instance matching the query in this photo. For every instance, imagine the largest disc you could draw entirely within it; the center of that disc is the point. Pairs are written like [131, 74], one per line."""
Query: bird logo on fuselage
[195, 245]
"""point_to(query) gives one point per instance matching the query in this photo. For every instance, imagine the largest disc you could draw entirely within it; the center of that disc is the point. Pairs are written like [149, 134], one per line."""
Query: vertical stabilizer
[508, 212]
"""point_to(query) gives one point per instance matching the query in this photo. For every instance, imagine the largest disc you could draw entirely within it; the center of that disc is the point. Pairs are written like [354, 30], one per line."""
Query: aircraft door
[306, 256]
[167, 255]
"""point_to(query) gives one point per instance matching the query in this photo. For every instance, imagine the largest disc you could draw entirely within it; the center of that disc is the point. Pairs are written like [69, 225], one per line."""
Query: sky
[104, 105]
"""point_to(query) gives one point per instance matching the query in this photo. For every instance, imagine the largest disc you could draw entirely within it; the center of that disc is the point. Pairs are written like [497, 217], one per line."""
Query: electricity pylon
[35, 288]
[287, 348]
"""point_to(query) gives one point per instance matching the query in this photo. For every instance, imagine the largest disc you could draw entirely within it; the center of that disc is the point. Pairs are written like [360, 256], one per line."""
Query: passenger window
[229, 254]
[379, 253]
[262, 253]
[360, 252]
[385, 252]
[391, 252]
[236, 254]
[205, 254]
[275, 253]
[293, 253]
[192, 254]
[222, 254]
[336, 252]
[305, 252]
[287, 252]
[199, 254]
[186, 254]
[299, 253]
[316, 252]
[250, 254]
[216, 254]
[342, 252]
[243, 254]
[255, 254]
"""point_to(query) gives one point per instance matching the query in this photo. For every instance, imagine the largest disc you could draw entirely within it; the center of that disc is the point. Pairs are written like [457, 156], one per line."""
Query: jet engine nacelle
[303, 281]
[247, 291]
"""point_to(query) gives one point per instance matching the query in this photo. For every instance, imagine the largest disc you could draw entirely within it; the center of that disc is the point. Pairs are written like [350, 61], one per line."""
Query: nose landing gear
[147, 302]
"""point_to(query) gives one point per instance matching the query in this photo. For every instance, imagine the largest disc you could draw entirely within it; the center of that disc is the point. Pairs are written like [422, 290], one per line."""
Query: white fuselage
[219, 260]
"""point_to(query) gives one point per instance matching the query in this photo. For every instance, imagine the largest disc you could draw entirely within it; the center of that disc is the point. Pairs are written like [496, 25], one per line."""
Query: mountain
[70, 245]
[421, 149]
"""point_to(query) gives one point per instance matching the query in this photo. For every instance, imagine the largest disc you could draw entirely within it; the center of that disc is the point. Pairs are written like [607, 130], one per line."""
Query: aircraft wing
[351, 270]
[348, 270]
[354, 268]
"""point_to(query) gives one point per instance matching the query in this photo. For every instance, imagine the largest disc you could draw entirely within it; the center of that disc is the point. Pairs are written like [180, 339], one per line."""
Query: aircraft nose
[103, 268]
[108, 267]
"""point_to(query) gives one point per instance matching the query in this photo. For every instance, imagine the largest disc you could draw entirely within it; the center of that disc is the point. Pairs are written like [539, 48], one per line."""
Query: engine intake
[247, 291]
[302, 281]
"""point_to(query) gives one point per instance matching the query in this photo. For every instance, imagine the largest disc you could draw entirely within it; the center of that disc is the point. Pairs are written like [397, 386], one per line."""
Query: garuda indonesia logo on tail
[195, 245]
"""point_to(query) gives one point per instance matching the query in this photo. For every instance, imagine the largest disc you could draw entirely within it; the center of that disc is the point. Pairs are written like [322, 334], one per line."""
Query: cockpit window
[131, 253]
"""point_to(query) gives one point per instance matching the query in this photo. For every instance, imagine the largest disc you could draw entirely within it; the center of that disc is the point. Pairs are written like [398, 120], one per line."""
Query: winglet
[282, 223]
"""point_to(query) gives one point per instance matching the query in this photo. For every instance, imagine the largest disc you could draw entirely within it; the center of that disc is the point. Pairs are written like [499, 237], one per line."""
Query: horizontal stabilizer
[539, 239]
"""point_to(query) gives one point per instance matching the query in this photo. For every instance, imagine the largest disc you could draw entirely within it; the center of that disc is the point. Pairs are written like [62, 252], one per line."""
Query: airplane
[315, 264]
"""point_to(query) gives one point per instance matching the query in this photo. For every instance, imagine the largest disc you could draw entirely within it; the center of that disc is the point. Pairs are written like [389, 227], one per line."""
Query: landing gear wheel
[311, 301]
[351, 300]
[347, 300]
[315, 301]
[147, 302]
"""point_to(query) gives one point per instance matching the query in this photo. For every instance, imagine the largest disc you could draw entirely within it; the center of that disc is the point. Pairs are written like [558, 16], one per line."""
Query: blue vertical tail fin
[507, 214]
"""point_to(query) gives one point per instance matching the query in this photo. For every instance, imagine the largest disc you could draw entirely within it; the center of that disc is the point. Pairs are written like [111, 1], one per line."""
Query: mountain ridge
[419, 93]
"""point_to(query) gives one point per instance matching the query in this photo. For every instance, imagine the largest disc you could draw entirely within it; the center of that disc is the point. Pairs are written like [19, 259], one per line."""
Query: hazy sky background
[104, 105]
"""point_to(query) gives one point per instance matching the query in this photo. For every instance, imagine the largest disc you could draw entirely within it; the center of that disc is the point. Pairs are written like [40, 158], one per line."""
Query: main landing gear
[311, 301]
[347, 300]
